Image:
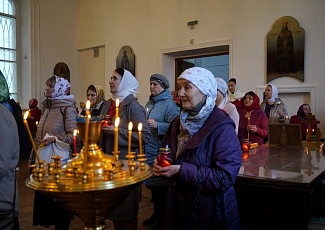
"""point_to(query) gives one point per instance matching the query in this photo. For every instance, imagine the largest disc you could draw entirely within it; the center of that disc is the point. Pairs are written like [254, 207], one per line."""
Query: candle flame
[36, 122]
[26, 115]
[130, 126]
[117, 102]
[88, 105]
[75, 132]
[140, 127]
[117, 122]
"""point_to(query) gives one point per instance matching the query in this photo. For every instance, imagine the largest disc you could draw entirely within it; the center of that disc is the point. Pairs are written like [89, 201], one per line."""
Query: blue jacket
[163, 110]
[202, 195]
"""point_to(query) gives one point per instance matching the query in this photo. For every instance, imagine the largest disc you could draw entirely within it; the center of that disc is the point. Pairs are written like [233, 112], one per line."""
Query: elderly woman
[95, 94]
[235, 95]
[303, 110]
[207, 158]
[223, 103]
[274, 108]
[253, 123]
[158, 122]
[123, 86]
[59, 121]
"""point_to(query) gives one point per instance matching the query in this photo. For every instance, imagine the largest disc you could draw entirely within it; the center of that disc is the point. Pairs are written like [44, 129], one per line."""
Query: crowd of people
[203, 124]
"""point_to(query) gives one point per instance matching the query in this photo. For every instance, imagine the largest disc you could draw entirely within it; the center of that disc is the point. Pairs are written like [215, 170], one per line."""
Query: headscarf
[34, 103]
[128, 85]
[4, 89]
[100, 95]
[301, 113]
[60, 88]
[237, 93]
[255, 104]
[275, 93]
[223, 88]
[204, 80]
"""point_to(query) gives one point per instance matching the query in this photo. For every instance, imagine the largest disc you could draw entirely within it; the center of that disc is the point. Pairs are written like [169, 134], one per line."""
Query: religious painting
[286, 50]
[126, 59]
[62, 70]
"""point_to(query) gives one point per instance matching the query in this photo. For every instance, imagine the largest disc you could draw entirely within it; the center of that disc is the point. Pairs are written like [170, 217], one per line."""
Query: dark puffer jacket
[202, 195]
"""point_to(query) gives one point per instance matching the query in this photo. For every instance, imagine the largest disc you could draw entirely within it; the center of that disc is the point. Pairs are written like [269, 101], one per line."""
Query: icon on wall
[126, 59]
[286, 50]
[62, 70]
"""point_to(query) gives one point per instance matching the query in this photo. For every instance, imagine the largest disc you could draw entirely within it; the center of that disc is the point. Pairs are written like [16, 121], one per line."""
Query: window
[218, 64]
[217, 59]
[8, 50]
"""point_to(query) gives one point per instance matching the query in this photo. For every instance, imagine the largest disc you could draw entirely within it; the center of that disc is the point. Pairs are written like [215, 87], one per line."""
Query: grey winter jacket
[9, 156]
[273, 116]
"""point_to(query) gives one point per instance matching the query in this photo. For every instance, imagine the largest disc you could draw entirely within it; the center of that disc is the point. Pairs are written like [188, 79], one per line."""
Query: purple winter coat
[202, 196]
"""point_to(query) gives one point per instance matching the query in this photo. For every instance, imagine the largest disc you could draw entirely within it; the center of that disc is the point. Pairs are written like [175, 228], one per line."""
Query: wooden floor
[26, 198]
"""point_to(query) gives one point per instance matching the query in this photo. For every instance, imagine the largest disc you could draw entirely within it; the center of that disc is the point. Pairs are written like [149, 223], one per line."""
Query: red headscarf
[255, 104]
[33, 103]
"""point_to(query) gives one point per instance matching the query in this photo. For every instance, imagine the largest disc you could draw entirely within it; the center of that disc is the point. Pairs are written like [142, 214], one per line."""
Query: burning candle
[117, 103]
[117, 122]
[75, 142]
[140, 138]
[86, 134]
[130, 135]
[31, 137]
[249, 123]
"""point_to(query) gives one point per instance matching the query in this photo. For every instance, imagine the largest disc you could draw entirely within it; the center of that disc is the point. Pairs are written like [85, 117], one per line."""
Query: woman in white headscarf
[206, 158]
[234, 94]
[59, 121]
[123, 86]
[223, 102]
[274, 108]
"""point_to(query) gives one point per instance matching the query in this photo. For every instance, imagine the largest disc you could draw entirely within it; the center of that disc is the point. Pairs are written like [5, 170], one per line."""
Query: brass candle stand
[91, 184]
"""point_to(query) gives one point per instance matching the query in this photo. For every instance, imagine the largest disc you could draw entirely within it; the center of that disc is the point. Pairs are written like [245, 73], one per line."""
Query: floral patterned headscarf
[62, 86]
[4, 89]
[100, 95]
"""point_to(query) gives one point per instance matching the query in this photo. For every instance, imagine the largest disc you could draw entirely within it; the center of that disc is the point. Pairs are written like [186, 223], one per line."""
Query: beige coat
[52, 120]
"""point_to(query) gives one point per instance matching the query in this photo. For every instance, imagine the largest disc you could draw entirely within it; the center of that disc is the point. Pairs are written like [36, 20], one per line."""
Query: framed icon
[126, 59]
[286, 49]
[62, 70]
